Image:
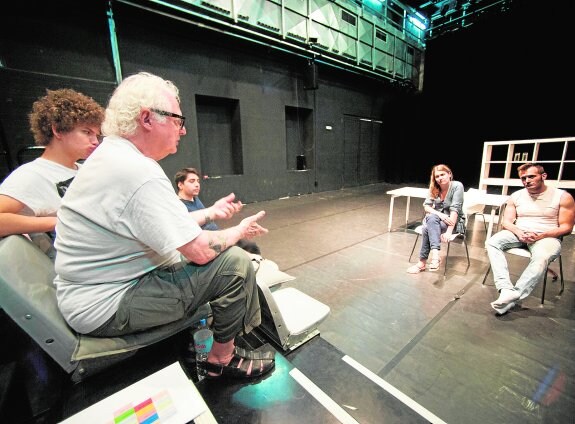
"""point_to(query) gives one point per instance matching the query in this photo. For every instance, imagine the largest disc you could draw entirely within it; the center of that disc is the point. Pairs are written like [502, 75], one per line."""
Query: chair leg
[544, 286]
[466, 253]
[561, 274]
[484, 222]
[486, 274]
[545, 280]
[413, 248]
[446, 257]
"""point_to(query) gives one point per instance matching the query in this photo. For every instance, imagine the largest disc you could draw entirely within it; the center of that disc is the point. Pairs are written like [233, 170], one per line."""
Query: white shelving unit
[501, 159]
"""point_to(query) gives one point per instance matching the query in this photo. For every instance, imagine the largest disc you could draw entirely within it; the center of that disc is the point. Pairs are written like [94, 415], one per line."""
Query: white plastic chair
[290, 317]
[472, 204]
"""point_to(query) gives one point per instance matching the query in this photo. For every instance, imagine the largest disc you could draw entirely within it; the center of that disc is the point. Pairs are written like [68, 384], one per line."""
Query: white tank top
[539, 212]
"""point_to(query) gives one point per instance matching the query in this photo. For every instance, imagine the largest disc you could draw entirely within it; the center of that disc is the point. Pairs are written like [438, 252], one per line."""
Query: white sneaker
[506, 296]
[434, 261]
[504, 309]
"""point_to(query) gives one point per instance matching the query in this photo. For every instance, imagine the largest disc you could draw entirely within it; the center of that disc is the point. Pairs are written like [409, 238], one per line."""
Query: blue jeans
[431, 232]
[542, 253]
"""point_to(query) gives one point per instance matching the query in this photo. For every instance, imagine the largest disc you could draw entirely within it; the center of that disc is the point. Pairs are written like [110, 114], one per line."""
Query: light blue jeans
[431, 232]
[542, 253]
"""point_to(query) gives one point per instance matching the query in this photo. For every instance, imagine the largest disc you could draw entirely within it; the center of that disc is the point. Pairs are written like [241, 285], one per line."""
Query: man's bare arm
[12, 223]
[210, 244]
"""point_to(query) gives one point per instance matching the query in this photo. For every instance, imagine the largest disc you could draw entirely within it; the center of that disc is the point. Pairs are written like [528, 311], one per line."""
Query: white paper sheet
[167, 396]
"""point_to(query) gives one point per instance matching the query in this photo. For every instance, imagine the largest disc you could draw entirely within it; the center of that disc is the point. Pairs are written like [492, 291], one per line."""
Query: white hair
[141, 90]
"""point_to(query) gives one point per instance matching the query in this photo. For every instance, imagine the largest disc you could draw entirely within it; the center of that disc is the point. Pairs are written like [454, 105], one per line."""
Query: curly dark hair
[64, 109]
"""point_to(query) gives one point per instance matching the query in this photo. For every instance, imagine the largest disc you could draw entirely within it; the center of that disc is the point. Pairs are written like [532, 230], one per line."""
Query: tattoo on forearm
[218, 245]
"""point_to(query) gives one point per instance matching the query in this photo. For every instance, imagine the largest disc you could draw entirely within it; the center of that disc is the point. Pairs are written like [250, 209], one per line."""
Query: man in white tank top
[536, 217]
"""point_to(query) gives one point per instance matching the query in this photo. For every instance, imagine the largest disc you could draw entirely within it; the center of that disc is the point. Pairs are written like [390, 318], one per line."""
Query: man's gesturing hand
[249, 227]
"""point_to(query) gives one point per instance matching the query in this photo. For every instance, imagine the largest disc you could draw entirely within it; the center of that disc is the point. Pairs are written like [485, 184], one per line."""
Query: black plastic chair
[454, 236]
[524, 252]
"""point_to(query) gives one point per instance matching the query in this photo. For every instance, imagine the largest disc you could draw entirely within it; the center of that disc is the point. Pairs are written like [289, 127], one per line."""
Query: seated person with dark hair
[187, 181]
[536, 217]
[67, 124]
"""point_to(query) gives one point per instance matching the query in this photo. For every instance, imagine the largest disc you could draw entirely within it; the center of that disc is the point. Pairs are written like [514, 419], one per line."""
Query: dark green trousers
[166, 295]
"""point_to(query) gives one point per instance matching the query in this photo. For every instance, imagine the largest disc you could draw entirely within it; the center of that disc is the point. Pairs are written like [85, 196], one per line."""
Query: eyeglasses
[173, 115]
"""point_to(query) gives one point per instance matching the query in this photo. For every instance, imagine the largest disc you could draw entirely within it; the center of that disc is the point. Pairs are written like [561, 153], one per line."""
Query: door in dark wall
[351, 136]
[361, 151]
[219, 136]
[299, 138]
[369, 151]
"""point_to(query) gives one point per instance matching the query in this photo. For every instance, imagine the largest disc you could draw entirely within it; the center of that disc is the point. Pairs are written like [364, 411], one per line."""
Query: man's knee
[495, 241]
[237, 261]
[542, 259]
[489, 243]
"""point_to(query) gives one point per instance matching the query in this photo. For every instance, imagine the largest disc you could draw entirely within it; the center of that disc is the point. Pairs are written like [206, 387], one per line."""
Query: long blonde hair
[434, 188]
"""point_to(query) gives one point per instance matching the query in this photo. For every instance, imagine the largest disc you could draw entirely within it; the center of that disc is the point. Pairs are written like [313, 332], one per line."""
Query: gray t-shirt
[120, 219]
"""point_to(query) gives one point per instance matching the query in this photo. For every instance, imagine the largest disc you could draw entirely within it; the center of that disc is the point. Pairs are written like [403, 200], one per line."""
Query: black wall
[506, 77]
[74, 50]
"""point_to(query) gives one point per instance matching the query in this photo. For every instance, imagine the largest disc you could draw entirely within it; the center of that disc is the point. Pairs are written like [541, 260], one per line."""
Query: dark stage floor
[396, 348]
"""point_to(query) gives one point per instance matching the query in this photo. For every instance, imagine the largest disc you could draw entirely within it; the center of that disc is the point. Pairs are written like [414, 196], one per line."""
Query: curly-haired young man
[67, 123]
